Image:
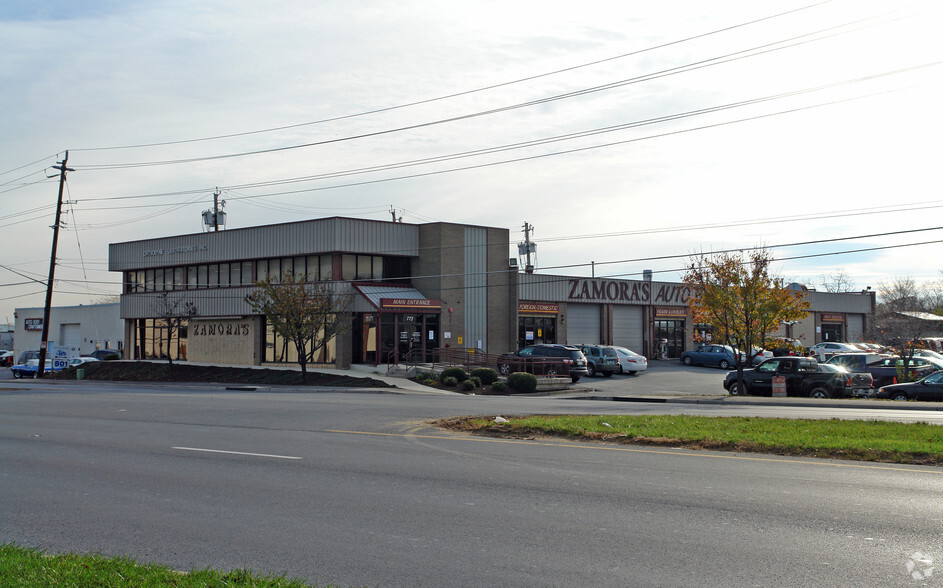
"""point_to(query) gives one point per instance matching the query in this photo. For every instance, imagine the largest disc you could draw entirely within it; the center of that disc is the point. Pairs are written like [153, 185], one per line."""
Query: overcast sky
[628, 134]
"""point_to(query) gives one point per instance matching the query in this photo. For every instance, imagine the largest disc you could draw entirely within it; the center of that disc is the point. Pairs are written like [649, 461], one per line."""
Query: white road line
[236, 452]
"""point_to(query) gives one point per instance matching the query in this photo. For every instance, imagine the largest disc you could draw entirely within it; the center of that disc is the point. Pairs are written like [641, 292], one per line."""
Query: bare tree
[899, 319]
[176, 314]
[838, 281]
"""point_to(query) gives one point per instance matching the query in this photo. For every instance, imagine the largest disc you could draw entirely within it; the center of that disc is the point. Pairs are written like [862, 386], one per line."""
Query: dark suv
[602, 359]
[545, 359]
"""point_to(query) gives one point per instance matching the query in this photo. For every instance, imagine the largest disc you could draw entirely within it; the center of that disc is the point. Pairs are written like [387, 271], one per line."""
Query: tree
[741, 301]
[902, 318]
[307, 315]
[838, 281]
[176, 314]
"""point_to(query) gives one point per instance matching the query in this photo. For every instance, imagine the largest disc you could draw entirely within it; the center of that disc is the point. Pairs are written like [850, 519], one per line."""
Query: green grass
[919, 443]
[23, 567]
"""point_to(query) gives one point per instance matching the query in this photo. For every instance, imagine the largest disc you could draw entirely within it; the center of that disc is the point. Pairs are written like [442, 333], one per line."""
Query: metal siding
[283, 240]
[476, 290]
[628, 323]
[543, 287]
[582, 324]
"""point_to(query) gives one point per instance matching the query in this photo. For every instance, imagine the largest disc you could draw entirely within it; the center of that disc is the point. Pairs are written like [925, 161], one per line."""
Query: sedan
[6, 358]
[631, 362]
[77, 361]
[29, 369]
[929, 388]
[722, 356]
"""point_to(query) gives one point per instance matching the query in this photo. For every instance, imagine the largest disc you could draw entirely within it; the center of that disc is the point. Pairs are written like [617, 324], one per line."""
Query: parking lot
[662, 378]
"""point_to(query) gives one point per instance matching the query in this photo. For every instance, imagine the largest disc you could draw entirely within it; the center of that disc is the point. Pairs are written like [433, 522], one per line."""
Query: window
[191, 277]
[313, 266]
[159, 279]
[327, 268]
[179, 281]
[348, 267]
[364, 267]
[299, 263]
[213, 276]
[202, 276]
[247, 278]
[224, 275]
[235, 272]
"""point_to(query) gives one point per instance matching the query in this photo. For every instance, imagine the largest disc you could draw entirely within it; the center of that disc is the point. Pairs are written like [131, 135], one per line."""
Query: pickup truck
[883, 369]
[802, 374]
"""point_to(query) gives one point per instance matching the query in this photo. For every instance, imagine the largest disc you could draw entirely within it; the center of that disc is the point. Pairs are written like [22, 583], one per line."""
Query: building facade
[413, 288]
[83, 328]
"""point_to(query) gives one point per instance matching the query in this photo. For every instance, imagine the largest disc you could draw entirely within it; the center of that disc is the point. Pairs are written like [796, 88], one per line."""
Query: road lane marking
[677, 452]
[236, 452]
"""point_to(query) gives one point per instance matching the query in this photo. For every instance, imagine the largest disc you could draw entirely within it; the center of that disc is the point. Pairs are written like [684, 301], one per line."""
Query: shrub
[449, 381]
[453, 372]
[477, 381]
[485, 375]
[498, 387]
[523, 382]
[469, 384]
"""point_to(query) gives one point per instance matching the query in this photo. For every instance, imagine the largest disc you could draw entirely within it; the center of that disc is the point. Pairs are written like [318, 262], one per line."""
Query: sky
[629, 135]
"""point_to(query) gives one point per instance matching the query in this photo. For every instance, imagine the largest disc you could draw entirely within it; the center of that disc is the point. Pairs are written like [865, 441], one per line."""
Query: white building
[82, 328]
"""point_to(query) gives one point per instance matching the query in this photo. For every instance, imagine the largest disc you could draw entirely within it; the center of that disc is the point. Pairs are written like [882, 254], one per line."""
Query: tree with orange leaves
[742, 302]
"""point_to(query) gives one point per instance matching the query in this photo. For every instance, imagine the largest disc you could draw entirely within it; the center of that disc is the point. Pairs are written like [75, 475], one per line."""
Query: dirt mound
[145, 371]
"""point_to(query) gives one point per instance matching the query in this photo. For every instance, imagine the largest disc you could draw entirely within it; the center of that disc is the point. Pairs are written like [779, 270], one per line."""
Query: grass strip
[22, 567]
[882, 441]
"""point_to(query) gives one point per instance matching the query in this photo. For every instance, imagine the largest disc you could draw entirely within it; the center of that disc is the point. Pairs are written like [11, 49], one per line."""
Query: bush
[469, 384]
[498, 387]
[485, 375]
[523, 382]
[449, 381]
[453, 372]
[477, 381]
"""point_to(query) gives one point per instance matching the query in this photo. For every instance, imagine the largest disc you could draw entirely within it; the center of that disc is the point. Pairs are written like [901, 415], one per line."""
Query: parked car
[105, 354]
[600, 359]
[928, 353]
[883, 369]
[722, 356]
[630, 362]
[859, 384]
[802, 378]
[6, 358]
[826, 349]
[929, 388]
[30, 368]
[77, 361]
[28, 355]
[544, 358]
[760, 355]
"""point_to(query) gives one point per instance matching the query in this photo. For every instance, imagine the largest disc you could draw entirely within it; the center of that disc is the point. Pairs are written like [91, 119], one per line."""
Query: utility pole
[44, 342]
[528, 248]
[216, 210]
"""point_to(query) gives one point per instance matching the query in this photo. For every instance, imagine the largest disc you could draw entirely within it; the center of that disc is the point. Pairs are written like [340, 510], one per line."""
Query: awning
[390, 298]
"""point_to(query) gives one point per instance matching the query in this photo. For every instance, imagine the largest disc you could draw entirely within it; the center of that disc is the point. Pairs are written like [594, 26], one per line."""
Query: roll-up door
[855, 327]
[582, 323]
[71, 336]
[628, 327]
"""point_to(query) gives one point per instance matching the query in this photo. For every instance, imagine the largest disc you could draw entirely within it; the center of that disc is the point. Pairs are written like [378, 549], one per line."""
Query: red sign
[411, 304]
[538, 307]
[675, 312]
[833, 317]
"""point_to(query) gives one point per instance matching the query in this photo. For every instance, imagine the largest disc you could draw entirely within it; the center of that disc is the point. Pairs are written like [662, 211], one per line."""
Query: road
[357, 488]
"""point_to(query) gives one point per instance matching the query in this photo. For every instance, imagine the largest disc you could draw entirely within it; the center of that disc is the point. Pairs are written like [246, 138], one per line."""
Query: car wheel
[16, 374]
[505, 369]
[736, 391]
[819, 393]
[574, 379]
[552, 373]
[607, 374]
[724, 364]
[592, 370]
[632, 373]
[900, 396]
[687, 360]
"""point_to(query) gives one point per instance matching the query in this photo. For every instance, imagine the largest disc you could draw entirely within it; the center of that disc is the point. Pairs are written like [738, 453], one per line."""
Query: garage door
[71, 336]
[582, 324]
[628, 327]
[855, 327]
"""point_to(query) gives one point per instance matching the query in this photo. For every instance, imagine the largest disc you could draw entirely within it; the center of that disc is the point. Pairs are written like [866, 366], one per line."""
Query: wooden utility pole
[44, 343]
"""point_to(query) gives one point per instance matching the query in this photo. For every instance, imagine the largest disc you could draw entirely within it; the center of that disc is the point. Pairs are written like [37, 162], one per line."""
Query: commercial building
[82, 329]
[413, 288]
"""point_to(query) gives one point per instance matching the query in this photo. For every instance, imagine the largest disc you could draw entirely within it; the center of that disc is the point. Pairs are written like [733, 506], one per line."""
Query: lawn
[915, 443]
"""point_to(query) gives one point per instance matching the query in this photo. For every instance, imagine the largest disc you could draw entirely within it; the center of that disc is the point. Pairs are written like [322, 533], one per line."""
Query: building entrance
[536, 329]
[406, 337]
[673, 332]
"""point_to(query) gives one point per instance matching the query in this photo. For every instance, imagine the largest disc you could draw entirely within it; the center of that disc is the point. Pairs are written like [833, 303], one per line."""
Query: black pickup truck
[802, 374]
[884, 370]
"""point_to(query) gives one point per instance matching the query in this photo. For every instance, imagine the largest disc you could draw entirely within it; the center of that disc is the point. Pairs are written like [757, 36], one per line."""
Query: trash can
[79, 374]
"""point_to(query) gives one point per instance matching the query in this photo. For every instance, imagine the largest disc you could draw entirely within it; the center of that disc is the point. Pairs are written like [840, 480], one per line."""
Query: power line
[467, 92]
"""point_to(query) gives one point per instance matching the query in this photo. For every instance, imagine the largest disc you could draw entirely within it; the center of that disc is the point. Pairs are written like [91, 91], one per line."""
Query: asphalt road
[356, 488]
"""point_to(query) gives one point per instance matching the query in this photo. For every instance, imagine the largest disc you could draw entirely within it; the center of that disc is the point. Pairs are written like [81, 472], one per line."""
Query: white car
[80, 360]
[826, 349]
[630, 362]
